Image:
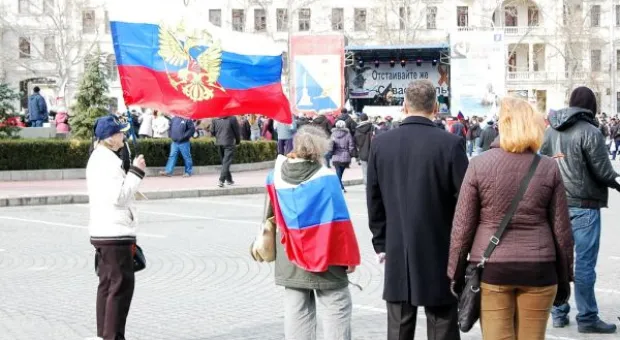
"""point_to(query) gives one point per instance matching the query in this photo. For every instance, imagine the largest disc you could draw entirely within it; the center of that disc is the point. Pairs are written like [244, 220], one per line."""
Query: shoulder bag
[469, 299]
[264, 246]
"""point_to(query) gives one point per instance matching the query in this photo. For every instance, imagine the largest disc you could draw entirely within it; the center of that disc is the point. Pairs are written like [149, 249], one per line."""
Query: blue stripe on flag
[138, 45]
[316, 202]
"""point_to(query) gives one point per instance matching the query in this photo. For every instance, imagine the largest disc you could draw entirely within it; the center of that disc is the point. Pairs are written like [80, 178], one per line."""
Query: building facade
[552, 46]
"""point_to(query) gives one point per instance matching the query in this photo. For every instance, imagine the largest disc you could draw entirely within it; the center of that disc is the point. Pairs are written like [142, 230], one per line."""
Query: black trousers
[115, 291]
[441, 321]
[227, 153]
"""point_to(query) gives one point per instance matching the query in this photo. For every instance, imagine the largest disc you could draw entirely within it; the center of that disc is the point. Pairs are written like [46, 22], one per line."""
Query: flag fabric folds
[314, 220]
[171, 58]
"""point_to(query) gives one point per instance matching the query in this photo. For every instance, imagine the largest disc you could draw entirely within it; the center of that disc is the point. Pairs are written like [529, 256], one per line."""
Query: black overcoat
[414, 176]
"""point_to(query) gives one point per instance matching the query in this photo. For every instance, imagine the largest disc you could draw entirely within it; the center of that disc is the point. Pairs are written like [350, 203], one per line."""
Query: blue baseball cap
[108, 126]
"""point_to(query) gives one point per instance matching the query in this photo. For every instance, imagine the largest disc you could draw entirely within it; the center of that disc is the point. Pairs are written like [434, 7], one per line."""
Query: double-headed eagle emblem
[198, 79]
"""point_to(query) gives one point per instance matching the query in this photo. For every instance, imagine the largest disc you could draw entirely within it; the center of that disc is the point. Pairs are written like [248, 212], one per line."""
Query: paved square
[200, 283]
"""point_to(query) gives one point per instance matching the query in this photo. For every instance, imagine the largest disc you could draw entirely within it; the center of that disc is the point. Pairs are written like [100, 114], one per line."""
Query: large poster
[368, 80]
[477, 71]
[317, 72]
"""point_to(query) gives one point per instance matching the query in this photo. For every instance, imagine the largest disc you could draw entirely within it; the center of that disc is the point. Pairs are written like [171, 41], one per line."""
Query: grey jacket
[585, 167]
[286, 273]
[226, 131]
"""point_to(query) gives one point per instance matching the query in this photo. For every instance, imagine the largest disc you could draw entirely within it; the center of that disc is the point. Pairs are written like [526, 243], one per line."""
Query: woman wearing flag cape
[316, 246]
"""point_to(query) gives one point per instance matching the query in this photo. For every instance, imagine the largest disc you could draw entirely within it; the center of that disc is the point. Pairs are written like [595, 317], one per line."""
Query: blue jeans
[175, 148]
[470, 147]
[36, 123]
[339, 172]
[586, 224]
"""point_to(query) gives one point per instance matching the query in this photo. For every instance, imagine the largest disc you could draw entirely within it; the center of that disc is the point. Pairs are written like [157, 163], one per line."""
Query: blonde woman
[112, 225]
[532, 265]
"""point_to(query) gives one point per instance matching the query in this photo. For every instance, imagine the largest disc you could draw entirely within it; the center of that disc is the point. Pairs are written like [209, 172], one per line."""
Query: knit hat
[582, 97]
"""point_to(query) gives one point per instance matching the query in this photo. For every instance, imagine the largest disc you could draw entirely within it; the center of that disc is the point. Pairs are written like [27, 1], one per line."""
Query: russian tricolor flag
[314, 220]
[171, 58]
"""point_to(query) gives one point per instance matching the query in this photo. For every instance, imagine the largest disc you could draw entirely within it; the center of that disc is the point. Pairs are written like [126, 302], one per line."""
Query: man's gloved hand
[381, 258]
[563, 294]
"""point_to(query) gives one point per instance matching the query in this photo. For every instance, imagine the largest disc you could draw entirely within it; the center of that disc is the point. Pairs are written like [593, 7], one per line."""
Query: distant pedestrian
[363, 137]
[227, 136]
[487, 136]
[62, 122]
[346, 117]
[244, 128]
[254, 127]
[146, 124]
[285, 136]
[37, 108]
[473, 133]
[112, 225]
[414, 177]
[161, 125]
[342, 148]
[181, 131]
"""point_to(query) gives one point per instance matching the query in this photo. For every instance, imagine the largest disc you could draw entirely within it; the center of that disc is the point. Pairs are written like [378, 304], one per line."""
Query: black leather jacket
[585, 167]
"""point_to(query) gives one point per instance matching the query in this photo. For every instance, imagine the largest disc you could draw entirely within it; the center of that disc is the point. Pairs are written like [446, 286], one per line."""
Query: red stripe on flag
[152, 89]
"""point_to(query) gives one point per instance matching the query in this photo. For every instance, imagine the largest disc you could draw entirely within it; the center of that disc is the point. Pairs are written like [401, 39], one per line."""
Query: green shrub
[39, 154]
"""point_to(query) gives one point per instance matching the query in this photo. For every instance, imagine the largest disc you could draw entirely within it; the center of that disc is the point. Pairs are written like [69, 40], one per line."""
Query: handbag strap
[494, 241]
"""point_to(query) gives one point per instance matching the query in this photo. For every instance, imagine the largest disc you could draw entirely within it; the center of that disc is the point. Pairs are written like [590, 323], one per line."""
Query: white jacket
[111, 196]
[146, 125]
[161, 125]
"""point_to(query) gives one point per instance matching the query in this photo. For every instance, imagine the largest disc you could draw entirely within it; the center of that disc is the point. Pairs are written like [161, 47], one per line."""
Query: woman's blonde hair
[521, 127]
[310, 143]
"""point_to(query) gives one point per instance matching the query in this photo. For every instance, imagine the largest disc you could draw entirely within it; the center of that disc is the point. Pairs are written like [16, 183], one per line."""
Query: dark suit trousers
[227, 153]
[441, 321]
[115, 291]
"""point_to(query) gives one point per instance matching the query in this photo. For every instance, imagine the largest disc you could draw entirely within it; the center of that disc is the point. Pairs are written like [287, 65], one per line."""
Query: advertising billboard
[477, 71]
[317, 72]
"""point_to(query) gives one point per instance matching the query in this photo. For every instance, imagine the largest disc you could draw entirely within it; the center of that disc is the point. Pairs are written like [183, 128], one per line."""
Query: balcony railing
[508, 31]
[541, 76]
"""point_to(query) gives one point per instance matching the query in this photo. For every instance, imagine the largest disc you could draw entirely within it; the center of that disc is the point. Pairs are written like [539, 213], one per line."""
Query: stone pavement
[23, 193]
[200, 282]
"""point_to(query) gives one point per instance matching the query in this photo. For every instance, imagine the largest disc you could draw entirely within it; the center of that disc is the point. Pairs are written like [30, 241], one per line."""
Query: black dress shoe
[598, 327]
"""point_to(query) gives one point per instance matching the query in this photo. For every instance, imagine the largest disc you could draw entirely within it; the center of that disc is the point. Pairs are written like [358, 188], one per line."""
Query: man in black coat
[414, 176]
[227, 136]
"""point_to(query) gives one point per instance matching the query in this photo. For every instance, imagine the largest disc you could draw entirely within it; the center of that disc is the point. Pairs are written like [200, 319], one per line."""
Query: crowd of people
[525, 215]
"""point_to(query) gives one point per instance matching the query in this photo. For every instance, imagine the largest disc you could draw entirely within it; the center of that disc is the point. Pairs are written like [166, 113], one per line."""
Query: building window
[337, 19]
[282, 19]
[532, 16]
[511, 15]
[431, 17]
[595, 60]
[404, 13]
[49, 48]
[360, 19]
[48, 6]
[304, 19]
[618, 102]
[88, 21]
[238, 20]
[618, 60]
[111, 67]
[106, 21]
[23, 6]
[215, 17]
[24, 48]
[462, 16]
[260, 20]
[618, 15]
[595, 16]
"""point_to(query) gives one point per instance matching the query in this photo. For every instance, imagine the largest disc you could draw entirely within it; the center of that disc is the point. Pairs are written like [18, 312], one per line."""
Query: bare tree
[49, 42]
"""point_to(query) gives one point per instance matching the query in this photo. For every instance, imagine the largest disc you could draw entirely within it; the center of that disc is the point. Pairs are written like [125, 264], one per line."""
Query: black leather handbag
[139, 260]
[469, 299]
